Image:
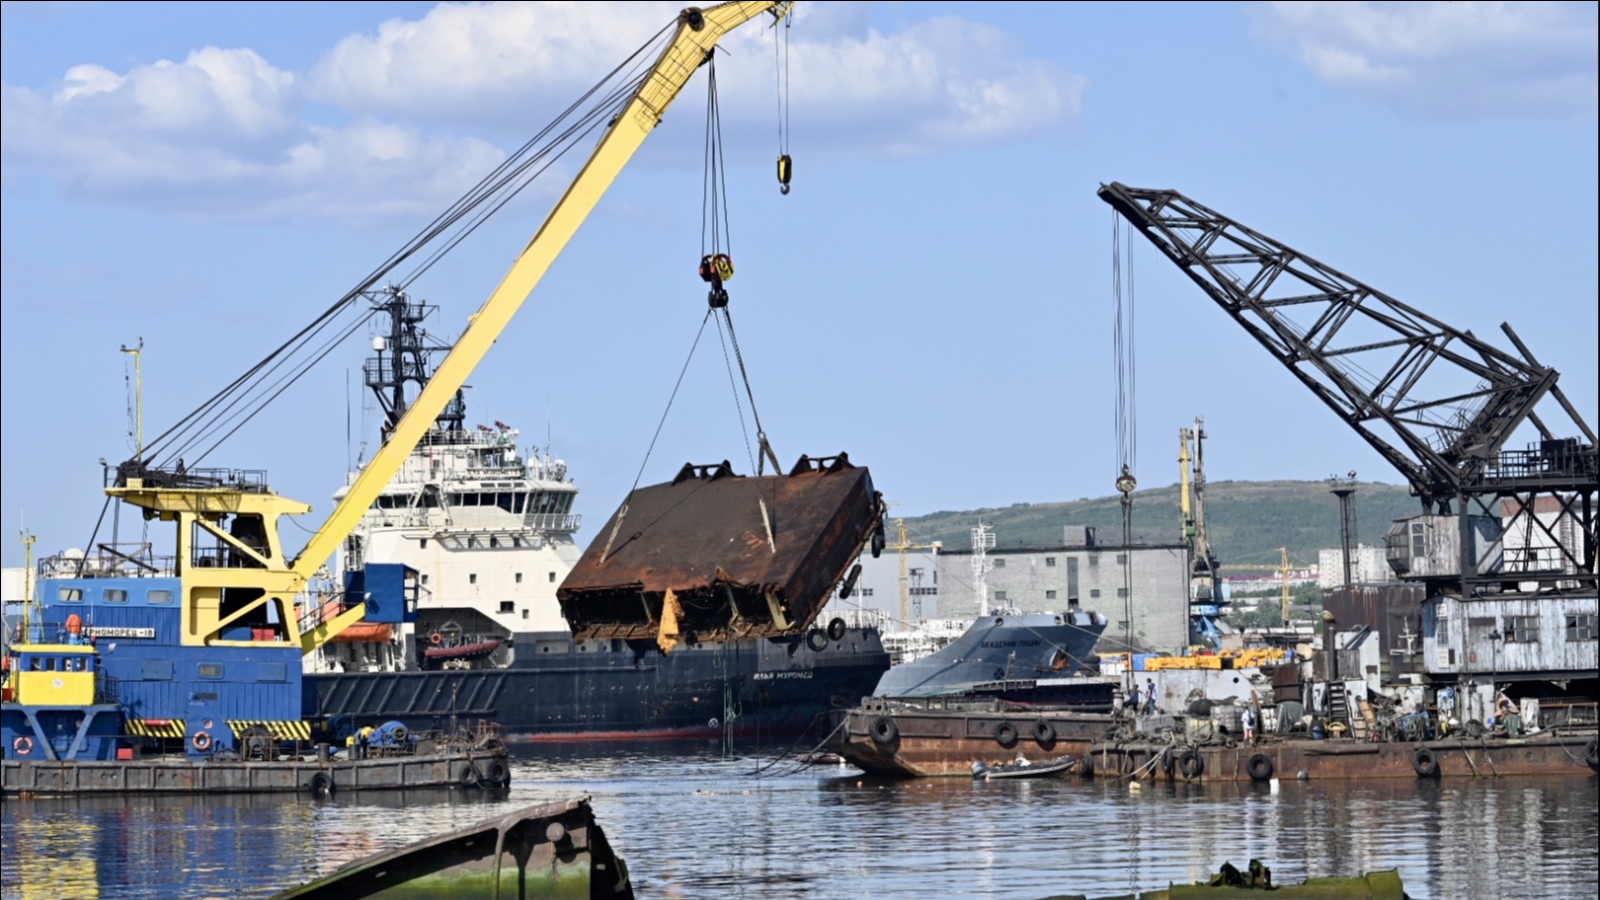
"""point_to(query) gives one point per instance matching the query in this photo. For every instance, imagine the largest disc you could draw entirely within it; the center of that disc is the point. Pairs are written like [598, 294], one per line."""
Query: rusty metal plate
[713, 556]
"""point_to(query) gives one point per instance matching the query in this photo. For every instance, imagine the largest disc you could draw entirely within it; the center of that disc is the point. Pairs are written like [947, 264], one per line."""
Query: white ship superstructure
[490, 532]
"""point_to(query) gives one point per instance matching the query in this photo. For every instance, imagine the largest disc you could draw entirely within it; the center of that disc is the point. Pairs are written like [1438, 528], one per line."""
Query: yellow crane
[257, 573]
[1282, 568]
[902, 546]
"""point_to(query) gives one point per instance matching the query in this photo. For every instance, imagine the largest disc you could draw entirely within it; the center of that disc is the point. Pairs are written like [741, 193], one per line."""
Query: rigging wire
[248, 394]
[780, 61]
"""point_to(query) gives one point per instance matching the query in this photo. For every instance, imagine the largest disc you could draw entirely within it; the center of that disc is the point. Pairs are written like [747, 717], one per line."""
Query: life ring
[1259, 767]
[1425, 763]
[1591, 753]
[884, 731]
[470, 777]
[23, 745]
[836, 629]
[322, 785]
[499, 774]
[1043, 732]
[436, 639]
[201, 741]
[1190, 764]
[817, 640]
[1005, 734]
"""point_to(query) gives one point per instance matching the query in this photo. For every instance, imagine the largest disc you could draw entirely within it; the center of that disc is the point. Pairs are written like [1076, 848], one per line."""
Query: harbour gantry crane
[1205, 594]
[902, 546]
[1438, 403]
[248, 574]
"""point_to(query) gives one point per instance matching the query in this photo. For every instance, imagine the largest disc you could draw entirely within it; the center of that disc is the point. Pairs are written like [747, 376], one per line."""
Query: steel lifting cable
[780, 61]
[623, 512]
[488, 196]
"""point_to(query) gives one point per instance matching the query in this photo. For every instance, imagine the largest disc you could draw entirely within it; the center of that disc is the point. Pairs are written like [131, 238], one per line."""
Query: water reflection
[693, 821]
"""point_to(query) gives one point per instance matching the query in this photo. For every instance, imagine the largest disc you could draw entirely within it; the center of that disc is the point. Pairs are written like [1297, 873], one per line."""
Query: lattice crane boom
[1438, 403]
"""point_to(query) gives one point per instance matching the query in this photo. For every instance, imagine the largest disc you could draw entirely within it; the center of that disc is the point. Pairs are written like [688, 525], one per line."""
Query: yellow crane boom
[260, 569]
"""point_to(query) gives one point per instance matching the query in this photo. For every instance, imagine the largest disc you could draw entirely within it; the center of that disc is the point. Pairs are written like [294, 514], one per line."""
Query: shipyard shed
[1393, 611]
[1513, 638]
[1080, 572]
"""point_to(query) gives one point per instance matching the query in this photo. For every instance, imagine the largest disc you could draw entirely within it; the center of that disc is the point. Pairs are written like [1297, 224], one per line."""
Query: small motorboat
[1023, 768]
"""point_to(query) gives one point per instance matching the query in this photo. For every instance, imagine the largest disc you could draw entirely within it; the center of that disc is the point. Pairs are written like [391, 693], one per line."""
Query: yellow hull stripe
[283, 730]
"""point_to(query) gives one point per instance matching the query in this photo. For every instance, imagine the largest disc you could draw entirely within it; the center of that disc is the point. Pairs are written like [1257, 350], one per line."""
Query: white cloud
[225, 133]
[1451, 60]
[222, 134]
[507, 67]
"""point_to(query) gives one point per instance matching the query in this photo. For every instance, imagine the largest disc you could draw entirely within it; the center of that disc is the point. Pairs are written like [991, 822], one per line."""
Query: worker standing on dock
[1150, 697]
[1249, 722]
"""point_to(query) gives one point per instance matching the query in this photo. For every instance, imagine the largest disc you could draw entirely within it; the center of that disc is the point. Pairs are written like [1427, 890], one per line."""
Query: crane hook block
[785, 172]
[716, 268]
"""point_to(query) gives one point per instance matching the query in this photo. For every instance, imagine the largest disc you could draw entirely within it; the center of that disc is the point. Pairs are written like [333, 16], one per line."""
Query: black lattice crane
[1438, 403]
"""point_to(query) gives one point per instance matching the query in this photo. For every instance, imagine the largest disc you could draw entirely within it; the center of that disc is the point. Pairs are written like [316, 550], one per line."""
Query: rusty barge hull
[1349, 759]
[472, 769]
[713, 556]
[940, 738]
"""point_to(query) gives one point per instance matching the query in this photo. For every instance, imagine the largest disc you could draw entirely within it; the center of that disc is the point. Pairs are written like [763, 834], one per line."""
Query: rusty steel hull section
[466, 769]
[732, 556]
[1350, 759]
[942, 738]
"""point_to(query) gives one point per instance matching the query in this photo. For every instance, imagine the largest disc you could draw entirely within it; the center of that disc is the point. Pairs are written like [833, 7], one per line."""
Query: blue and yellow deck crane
[186, 634]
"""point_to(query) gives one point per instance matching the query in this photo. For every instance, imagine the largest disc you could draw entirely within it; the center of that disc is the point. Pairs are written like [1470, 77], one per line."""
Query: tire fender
[884, 731]
[1425, 763]
[1044, 732]
[1259, 767]
[1005, 734]
[1191, 764]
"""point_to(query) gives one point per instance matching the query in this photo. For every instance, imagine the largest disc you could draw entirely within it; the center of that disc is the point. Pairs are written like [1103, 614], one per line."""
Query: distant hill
[1247, 520]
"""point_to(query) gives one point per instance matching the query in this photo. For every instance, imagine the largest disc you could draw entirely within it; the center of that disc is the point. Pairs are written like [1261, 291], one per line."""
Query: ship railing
[315, 610]
[109, 563]
[179, 477]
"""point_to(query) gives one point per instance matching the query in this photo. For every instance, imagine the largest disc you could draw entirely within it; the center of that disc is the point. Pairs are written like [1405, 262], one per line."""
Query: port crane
[247, 572]
[901, 546]
[1205, 594]
[1438, 403]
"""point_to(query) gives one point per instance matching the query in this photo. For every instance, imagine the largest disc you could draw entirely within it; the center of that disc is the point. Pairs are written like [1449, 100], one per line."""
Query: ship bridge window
[159, 597]
[508, 606]
[519, 578]
[116, 595]
[69, 595]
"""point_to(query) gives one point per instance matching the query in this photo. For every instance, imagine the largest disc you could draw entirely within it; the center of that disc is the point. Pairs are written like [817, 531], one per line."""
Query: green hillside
[1247, 520]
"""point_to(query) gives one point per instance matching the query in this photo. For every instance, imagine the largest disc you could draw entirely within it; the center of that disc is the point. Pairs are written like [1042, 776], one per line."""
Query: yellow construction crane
[253, 572]
[1282, 568]
[902, 546]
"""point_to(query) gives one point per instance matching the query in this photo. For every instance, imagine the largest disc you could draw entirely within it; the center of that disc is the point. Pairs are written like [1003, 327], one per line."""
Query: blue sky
[933, 297]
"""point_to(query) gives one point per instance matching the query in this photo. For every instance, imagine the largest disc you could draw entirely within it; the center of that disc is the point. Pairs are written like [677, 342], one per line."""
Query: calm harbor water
[694, 823]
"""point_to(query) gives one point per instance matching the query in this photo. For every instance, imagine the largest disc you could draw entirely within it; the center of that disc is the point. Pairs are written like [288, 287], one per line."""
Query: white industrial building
[1079, 572]
[1368, 565]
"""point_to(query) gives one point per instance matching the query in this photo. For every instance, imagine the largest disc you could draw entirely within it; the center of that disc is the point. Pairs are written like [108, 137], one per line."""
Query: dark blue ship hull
[559, 689]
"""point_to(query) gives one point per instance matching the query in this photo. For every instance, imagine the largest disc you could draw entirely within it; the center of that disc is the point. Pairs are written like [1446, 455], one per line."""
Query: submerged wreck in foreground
[553, 850]
[714, 556]
[1256, 880]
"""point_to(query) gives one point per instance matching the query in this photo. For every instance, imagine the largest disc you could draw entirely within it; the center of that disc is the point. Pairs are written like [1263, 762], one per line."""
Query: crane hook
[785, 172]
